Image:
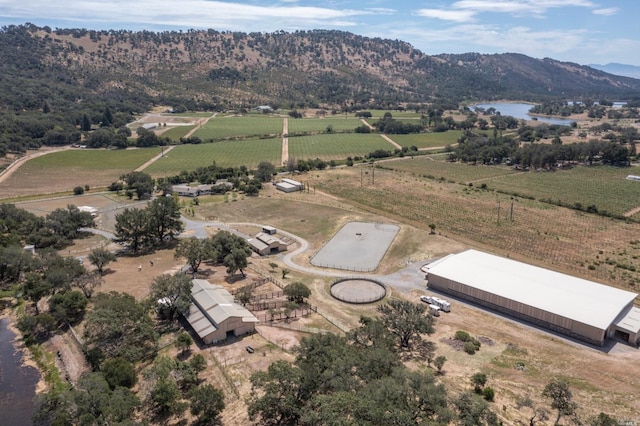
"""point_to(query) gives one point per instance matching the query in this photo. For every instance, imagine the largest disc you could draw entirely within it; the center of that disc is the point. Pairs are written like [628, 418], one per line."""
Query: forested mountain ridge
[214, 69]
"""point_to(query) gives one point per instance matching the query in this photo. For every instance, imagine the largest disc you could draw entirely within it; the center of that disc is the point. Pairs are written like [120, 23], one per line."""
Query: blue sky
[582, 31]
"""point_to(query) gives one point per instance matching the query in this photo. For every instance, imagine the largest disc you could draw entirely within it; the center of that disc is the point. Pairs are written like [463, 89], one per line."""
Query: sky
[580, 31]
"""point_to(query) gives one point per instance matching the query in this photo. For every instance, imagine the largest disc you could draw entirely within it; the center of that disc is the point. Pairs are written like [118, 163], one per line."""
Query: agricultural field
[450, 172]
[379, 113]
[592, 246]
[176, 132]
[239, 126]
[313, 125]
[63, 170]
[428, 140]
[226, 153]
[336, 147]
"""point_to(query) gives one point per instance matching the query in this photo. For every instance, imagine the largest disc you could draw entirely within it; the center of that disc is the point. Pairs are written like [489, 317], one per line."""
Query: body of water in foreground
[521, 112]
[17, 382]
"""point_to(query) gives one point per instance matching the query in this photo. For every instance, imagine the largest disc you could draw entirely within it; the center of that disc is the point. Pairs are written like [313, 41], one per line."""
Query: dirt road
[285, 141]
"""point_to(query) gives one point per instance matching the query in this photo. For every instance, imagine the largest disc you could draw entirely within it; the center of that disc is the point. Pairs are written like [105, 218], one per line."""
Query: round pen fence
[358, 290]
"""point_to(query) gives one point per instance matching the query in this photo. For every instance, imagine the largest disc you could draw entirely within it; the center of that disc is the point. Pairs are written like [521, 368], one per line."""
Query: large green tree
[230, 250]
[175, 293]
[558, 392]
[406, 320]
[207, 402]
[297, 292]
[132, 228]
[265, 171]
[164, 218]
[119, 326]
[100, 257]
[140, 183]
[195, 250]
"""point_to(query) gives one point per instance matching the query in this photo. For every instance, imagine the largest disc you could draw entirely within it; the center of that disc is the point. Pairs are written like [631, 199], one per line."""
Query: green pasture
[457, 172]
[309, 125]
[379, 113]
[336, 146]
[91, 159]
[239, 126]
[602, 186]
[428, 140]
[226, 154]
[177, 132]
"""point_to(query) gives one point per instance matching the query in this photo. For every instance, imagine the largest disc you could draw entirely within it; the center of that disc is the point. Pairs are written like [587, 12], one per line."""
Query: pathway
[154, 159]
[285, 141]
[632, 212]
[201, 122]
[391, 141]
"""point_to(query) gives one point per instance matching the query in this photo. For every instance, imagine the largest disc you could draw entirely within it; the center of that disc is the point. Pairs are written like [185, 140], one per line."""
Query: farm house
[214, 314]
[578, 308]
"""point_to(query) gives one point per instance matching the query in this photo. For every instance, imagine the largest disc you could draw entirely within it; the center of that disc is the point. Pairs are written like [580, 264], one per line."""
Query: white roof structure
[581, 300]
[212, 305]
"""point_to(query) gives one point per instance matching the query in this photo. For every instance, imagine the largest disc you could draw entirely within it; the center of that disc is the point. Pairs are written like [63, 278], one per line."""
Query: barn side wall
[518, 310]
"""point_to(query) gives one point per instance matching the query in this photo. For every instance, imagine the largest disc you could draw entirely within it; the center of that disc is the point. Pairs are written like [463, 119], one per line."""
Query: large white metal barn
[579, 308]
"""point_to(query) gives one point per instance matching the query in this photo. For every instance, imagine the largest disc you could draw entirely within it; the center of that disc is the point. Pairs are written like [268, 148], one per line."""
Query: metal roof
[581, 300]
[212, 305]
[629, 320]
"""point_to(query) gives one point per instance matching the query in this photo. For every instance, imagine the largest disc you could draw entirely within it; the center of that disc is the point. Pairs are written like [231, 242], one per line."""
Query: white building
[579, 308]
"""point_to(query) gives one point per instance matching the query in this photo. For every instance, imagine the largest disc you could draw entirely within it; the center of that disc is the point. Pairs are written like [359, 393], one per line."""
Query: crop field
[226, 153]
[198, 114]
[300, 125]
[450, 172]
[582, 244]
[336, 147]
[378, 113]
[245, 126]
[63, 170]
[428, 140]
[601, 186]
[176, 132]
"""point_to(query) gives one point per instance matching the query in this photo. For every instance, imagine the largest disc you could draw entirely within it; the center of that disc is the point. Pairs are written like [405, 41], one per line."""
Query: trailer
[434, 310]
[442, 304]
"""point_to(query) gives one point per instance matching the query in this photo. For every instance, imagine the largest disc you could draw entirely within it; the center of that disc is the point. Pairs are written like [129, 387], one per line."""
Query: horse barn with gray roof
[578, 308]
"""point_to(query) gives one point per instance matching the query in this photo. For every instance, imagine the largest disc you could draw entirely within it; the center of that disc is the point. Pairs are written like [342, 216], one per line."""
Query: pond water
[17, 382]
[521, 112]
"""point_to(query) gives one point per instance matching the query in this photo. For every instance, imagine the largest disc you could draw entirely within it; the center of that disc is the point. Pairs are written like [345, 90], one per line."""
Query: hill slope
[211, 68]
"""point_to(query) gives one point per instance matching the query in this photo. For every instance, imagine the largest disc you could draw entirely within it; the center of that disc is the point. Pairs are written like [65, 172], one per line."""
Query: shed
[576, 307]
[289, 185]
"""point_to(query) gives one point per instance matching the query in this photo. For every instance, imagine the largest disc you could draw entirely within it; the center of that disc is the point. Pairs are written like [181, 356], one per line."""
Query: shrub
[470, 348]
[488, 393]
[78, 190]
[463, 336]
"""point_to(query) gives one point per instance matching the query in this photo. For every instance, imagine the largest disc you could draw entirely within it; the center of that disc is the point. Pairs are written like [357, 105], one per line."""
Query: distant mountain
[75, 68]
[619, 69]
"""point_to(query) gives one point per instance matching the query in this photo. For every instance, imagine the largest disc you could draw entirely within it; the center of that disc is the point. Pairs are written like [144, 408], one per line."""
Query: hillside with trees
[56, 83]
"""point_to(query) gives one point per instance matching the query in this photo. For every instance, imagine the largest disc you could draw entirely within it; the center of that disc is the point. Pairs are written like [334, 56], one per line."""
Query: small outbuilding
[576, 307]
[265, 244]
[289, 185]
[214, 315]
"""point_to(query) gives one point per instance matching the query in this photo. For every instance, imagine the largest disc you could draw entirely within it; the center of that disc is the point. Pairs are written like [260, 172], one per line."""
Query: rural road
[408, 279]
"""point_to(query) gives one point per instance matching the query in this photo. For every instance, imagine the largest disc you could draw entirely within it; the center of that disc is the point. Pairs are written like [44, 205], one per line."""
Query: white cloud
[185, 13]
[607, 12]
[447, 15]
[465, 10]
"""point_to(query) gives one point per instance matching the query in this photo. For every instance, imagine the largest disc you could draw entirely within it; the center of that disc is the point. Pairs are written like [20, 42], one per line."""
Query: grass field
[245, 126]
[379, 113]
[62, 171]
[227, 154]
[336, 147]
[601, 186]
[177, 132]
[561, 238]
[428, 140]
[301, 125]
[451, 172]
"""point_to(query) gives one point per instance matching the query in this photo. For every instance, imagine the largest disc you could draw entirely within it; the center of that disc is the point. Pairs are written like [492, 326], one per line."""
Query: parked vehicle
[434, 310]
[440, 303]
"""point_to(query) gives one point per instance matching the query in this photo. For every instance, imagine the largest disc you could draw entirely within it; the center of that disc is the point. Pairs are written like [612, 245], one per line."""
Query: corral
[358, 246]
[582, 309]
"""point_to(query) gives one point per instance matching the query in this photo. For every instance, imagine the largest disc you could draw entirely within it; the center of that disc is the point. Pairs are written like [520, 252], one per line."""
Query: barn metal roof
[212, 305]
[581, 300]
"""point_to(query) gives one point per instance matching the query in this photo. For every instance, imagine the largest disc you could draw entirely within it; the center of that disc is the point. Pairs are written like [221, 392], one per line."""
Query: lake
[521, 112]
[17, 382]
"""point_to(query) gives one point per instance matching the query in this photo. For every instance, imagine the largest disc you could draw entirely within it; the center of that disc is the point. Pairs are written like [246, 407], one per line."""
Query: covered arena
[578, 308]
